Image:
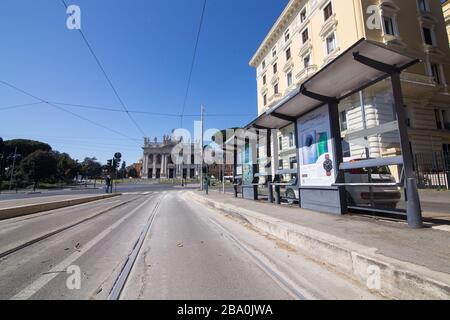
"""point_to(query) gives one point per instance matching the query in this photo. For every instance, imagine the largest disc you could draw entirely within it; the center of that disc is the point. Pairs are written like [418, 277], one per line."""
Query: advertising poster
[247, 165]
[317, 163]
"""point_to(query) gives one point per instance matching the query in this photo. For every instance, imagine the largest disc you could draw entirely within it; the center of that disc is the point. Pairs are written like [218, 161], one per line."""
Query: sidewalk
[21, 207]
[414, 263]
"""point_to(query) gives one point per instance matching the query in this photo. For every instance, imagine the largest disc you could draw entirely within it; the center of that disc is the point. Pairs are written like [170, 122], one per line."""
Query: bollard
[270, 192]
[277, 195]
[413, 207]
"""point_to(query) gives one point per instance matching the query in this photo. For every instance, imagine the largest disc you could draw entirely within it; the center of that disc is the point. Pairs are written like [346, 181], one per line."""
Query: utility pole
[12, 171]
[201, 146]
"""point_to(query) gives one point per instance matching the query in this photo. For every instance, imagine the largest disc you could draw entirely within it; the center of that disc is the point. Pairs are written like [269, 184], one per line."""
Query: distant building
[158, 162]
[138, 167]
[215, 170]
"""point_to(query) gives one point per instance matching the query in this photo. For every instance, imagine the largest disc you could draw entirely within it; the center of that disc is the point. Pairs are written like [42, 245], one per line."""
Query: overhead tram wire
[107, 78]
[193, 62]
[65, 110]
[112, 109]
[17, 106]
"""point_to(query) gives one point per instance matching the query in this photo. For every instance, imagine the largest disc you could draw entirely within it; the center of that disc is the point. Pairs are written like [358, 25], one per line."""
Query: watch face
[328, 165]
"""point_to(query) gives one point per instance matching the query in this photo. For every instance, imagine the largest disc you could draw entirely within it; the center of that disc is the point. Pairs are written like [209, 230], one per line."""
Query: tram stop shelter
[313, 108]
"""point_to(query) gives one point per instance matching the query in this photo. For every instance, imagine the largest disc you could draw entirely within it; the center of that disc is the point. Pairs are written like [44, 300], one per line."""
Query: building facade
[311, 33]
[446, 10]
[158, 162]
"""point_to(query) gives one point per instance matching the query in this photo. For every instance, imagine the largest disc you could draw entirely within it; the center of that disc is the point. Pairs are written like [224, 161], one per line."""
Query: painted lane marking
[37, 285]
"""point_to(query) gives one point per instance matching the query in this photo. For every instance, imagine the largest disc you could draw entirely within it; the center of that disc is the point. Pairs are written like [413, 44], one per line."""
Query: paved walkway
[31, 201]
[427, 247]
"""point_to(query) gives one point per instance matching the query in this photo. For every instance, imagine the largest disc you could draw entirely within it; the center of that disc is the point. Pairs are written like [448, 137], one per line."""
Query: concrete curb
[19, 211]
[399, 279]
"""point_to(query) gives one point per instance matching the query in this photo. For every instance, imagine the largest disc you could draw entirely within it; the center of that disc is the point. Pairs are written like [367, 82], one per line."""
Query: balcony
[305, 48]
[306, 73]
[263, 90]
[274, 98]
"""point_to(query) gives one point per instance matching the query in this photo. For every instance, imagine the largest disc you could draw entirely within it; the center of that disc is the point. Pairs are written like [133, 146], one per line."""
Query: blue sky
[146, 47]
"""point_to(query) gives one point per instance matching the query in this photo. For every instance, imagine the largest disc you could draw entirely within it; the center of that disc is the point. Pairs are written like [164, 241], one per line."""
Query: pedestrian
[108, 184]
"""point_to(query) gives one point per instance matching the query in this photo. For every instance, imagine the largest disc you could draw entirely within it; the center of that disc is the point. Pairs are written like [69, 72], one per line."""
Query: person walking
[108, 184]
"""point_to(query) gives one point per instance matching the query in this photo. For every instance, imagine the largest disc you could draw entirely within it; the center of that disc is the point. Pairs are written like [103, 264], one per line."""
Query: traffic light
[109, 164]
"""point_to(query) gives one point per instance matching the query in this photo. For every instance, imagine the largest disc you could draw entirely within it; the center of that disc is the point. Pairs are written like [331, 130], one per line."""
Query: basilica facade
[158, 162]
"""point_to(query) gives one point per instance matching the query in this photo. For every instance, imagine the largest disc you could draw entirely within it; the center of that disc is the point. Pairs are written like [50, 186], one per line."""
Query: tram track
[50, 234]
[121, 280]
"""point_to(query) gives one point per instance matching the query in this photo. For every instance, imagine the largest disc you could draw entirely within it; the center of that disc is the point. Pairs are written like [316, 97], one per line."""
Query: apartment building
[446, 10]
[311, 33]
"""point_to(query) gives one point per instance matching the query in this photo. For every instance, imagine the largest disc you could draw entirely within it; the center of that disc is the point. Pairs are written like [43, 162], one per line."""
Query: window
[343, 120]
[328, 11]
[264, 80]
[287, 35]
[428, 36]
[274, 52]
[275, 88]
[292, 162]
[437, 115]
[280, 164]
[265, 99]
[442, 120]
[289, 79]
[435, 73]
[264, 64]
[423, 5]
[388, 26]
[331, 43]
[280, 143]
[446, 149]
[346, 149]
[307, 61]
[445, 119]
[288, 54]
[303, 15]
[275, 68]
[305, 36]
[291, 140]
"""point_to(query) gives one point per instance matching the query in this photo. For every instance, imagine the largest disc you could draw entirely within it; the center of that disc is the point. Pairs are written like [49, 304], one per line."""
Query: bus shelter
[314, 110]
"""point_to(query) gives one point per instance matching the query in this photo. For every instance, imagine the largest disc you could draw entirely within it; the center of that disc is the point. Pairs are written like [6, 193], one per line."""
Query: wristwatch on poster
[328, 165]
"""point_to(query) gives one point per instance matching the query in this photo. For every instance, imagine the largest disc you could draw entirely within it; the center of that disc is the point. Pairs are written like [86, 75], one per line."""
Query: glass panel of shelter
[369, 131]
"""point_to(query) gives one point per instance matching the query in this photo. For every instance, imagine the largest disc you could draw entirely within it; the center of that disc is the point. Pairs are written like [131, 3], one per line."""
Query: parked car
[381, 196]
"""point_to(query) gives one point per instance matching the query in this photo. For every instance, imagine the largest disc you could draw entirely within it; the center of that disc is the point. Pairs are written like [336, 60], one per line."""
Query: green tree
[67, 168]
[132, 173]
[123, 170]
[2, 161]
[39, 166]
[25, 147]
[91, 168]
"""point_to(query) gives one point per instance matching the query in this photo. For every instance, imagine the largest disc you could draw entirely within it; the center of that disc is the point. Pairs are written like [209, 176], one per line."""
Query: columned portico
[158, 163]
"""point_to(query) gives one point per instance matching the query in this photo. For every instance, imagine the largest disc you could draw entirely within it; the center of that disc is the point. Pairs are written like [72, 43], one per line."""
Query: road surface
[155, 245]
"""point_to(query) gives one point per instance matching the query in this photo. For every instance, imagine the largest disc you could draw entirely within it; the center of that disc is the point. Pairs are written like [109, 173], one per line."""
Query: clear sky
[146, 47]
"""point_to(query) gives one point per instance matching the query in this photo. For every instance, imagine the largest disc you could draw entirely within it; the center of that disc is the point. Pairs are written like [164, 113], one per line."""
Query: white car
[380, 196]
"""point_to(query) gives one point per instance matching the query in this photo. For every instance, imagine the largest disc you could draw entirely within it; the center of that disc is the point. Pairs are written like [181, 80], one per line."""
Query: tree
[132, 173]
[91, 168]
[2, 162]
[123, 170]
[39, 166]
[67, 168]
[25, 147]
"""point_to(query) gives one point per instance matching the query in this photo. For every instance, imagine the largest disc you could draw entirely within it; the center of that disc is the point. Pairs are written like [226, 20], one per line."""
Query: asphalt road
[155, 245]
[124, 188]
